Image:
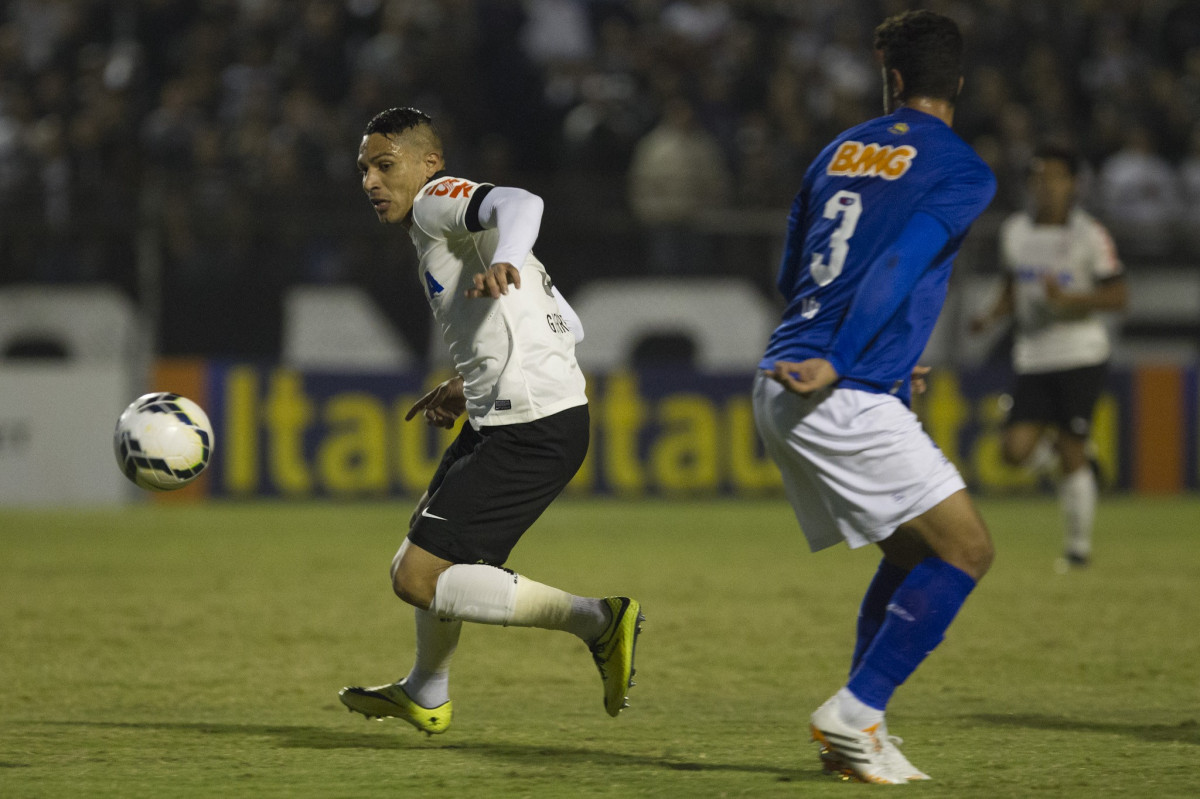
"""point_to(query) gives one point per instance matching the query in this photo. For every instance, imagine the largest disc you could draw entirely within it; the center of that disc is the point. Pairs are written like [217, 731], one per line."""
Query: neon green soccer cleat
[613, 651]
[390, 701]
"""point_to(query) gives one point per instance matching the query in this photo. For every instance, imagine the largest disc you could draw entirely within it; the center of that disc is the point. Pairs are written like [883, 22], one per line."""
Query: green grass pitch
[197, 652]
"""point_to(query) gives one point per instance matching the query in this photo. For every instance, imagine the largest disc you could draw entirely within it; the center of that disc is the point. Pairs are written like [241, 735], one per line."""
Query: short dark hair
[926, 48]
[394, 121]
[1058, 151]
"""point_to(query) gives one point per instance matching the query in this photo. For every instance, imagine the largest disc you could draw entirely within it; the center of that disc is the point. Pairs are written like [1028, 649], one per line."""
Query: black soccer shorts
[494, 483]
[1065, 399]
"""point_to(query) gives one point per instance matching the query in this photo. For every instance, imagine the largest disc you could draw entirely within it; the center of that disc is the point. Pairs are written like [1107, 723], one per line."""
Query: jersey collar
[441, 173]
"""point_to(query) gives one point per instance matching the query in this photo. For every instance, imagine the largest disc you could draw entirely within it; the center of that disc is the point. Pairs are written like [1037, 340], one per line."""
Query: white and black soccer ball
[163, 441]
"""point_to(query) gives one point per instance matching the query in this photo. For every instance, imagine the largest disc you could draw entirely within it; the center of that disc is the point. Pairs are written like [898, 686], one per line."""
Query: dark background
[199, 154]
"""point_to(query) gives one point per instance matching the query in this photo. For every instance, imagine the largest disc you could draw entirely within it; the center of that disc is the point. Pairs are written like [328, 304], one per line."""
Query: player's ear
[433, 163]
[896, 84]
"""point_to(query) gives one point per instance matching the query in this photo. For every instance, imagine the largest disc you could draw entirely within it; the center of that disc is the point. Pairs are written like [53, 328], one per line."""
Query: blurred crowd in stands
[205, 149]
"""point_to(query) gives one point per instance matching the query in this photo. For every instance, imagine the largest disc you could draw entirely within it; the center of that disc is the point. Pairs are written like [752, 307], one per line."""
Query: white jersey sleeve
[448, 207]
[517, 215]
[1104, 261]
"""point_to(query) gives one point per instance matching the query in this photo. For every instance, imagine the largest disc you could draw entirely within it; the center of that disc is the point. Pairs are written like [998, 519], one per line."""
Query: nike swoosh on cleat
[375, 695]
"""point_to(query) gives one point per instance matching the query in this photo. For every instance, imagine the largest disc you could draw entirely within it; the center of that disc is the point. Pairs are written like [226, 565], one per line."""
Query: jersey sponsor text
[453, 186]
[854, 159]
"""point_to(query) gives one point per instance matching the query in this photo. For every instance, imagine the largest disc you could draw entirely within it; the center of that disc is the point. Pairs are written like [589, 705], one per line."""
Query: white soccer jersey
[1078, 255]
[516, 354]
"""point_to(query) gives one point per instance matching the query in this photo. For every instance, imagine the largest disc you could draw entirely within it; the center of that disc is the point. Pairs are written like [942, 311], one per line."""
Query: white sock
[1077, 495]
[428, 684]
[590, 617]
[857, 713]
[488, 595]
[474, 592]
[544, 606]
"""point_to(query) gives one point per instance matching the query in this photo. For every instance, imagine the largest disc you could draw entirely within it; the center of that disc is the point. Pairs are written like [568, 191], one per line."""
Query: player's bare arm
[441, 406]
[495, 281]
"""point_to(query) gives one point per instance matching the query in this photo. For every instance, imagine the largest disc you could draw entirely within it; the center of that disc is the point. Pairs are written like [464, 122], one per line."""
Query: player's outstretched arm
[441, 406]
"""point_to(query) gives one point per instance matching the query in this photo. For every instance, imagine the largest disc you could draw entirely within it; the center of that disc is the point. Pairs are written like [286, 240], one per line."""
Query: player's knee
[976, 554]
[1013, 452]
[414, 592]
[983, 556]
[1073, 452]
[415, 588]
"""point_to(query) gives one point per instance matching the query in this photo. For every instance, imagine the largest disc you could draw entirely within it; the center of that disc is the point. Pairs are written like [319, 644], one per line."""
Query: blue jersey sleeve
[959, 199]
[797, 223]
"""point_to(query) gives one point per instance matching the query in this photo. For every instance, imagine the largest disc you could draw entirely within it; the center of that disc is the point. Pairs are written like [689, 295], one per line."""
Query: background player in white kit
[1061, 272]
[526, 434]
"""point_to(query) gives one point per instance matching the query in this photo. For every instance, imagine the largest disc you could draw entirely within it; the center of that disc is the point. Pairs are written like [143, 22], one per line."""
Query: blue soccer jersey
[871, 239]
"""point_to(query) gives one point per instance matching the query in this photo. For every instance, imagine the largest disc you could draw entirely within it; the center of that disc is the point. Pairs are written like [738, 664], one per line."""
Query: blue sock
[873, 610]
[917, 617]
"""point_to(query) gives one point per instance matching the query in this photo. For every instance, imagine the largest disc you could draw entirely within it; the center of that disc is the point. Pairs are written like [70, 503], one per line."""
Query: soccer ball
[163, 441]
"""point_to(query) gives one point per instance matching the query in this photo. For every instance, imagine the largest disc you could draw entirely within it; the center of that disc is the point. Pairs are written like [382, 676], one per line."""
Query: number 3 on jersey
[849, 205]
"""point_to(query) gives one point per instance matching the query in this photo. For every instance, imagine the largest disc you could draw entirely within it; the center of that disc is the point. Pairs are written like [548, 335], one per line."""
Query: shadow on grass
[1186, 732]
[307, 737]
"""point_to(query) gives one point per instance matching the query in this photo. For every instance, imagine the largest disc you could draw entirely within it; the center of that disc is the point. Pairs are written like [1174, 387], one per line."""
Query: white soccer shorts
[855, 465]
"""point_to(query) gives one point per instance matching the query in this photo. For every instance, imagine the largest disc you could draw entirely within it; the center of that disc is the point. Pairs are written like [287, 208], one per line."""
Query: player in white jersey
[510, 336]
[1061, 273]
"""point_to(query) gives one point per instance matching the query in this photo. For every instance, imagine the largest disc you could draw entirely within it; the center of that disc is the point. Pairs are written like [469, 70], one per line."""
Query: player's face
[393, 170]
[1053, 187]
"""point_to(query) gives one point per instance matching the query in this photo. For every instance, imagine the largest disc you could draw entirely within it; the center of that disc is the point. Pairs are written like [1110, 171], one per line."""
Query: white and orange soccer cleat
[868, 755]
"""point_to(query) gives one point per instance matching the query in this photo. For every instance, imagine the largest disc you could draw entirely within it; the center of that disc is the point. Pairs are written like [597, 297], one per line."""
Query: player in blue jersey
[871, 239]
